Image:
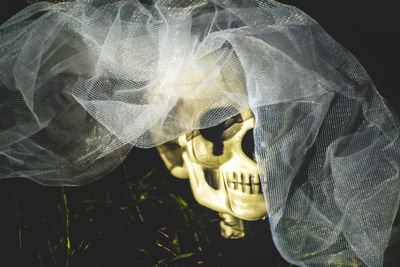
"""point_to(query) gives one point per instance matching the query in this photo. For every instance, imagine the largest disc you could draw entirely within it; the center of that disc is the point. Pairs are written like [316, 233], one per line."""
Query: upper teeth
[245, 182]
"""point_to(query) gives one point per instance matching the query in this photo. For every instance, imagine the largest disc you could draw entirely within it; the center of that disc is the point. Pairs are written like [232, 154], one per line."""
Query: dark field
[132, 217]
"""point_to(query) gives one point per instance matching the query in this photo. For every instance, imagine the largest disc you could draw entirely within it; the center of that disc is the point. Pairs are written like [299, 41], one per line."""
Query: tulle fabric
[83, 82]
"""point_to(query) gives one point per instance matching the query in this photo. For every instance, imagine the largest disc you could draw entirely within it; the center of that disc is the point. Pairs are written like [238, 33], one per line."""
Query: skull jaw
[247, 207]
[235, 202]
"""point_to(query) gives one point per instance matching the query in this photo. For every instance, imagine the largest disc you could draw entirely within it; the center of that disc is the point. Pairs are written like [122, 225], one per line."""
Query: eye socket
[206, 152]
[248, 145]
[207, 145]
[213, 133]
[223, 131]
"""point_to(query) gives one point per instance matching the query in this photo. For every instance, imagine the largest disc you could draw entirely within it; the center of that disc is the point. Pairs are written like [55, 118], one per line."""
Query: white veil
[83, 82]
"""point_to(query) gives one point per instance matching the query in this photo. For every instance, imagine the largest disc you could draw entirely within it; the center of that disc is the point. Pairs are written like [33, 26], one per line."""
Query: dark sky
[369, 31]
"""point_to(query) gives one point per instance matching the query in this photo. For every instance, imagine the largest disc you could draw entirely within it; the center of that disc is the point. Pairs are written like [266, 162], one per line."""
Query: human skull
[219, 161]
[221, 167]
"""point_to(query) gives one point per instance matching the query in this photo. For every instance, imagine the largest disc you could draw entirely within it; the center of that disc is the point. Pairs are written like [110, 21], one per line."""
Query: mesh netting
[81, 83]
